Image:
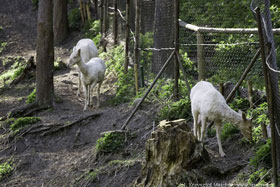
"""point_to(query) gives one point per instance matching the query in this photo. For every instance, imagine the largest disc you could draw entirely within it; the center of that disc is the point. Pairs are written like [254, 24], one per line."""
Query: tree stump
[173, 157]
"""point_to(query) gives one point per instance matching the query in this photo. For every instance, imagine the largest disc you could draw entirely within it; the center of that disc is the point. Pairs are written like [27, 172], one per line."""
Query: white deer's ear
[244, 116]
[79, 52]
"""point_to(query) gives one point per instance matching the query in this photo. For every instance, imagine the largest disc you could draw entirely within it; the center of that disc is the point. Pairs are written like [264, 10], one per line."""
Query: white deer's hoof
[222, 154]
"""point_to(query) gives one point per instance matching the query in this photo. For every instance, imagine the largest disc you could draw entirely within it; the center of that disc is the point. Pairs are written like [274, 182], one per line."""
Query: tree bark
[60, 21]
[163, 35]
[45, 54]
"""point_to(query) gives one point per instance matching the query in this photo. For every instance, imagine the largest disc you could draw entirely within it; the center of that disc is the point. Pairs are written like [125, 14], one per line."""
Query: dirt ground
[63, 157]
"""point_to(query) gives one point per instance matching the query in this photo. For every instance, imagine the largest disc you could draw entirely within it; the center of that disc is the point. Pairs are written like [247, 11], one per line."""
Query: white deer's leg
[218, 133]
[85, 88]
[79, 84]
[195, 123]
[203, 127]
[98, 92]
[91, 91]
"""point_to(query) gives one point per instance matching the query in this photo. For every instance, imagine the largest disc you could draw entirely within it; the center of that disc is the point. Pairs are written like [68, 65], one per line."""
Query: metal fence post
[200, 56]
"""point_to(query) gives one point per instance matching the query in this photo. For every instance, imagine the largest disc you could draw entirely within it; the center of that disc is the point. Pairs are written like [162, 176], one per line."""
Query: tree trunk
[164, 30]
[45, 54]
[60, 21]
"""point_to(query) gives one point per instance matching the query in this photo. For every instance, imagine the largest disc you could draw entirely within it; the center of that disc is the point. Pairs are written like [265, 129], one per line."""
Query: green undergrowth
[6, 169]
[31, 97]
[15, 68]
[111, 142]
[2, 45]
[176, 110]
[92, 31]
[228, 131]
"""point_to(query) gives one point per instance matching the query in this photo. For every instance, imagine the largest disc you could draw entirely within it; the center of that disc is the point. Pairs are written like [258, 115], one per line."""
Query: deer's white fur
[92, 73]
[88, 50]
[207, 103]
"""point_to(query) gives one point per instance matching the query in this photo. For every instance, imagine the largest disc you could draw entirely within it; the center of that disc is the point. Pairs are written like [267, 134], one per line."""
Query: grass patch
[31, 97]
[6, 169]
[110, 142]
[23, 122]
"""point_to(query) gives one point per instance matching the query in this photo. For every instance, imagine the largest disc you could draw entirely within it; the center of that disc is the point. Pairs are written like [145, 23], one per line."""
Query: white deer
[207, 103]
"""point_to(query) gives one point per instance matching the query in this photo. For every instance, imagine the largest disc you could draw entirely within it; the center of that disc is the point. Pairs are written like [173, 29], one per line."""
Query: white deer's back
[207, 101]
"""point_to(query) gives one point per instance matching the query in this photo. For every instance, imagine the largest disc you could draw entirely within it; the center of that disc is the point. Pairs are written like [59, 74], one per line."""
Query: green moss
[262, 156]
[110, 142]
[31, 97]
[2, 46]
[228, 131]
[6, 169]
[23, 122]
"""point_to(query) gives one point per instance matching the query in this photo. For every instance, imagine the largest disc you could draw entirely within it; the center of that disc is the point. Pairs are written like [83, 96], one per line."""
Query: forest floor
[65, 156]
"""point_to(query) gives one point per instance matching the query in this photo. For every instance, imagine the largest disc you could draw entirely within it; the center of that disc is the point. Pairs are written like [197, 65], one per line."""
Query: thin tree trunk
[60, 20]
[45, 54]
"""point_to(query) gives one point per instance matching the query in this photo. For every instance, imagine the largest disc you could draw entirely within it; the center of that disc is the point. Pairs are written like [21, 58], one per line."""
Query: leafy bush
[260, 116]
[176, 110]
[31, 97]
[23, 122]
[262, 156]
[74, 19]
[240, 103]
[110, 142]
[6, 169]
[2, 45]
[228, 131]
[93, 31]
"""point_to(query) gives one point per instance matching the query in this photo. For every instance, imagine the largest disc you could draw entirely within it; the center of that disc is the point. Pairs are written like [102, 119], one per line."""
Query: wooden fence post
[176, 45]
[269, 99]
[115, 23]
[127, 35]
[101, 16]
[200, 56]
[136, 44]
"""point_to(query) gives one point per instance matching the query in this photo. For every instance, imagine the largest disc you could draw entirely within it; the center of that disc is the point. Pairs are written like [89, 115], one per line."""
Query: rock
[173, 157]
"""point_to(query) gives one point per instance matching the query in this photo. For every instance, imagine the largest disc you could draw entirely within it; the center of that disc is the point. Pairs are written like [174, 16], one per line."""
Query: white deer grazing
[92, 73]
[207, 103]
[88, 51]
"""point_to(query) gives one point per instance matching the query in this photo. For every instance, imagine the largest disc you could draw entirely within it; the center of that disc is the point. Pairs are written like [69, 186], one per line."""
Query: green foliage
[110, 142]
[92, 175]
[6, 169]
[211, 132]
[23, 122]
[260, 177]
[74, 19]
[1, 28]
[228, 131]
[260, 116]
[262, 156]
[2, 45]
[176, 110]
[14, 71]
[93, 31]
[240, 103]
[31, 97]
[125, 84]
